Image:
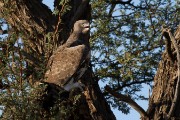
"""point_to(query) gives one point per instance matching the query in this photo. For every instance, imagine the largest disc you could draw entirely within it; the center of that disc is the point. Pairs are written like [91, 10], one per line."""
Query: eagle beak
[86, 26]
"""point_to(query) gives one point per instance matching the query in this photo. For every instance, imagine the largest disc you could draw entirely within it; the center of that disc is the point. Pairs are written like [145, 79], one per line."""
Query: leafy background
[127, 46]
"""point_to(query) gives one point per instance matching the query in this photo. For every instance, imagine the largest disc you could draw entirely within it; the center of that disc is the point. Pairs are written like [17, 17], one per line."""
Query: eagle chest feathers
[65, 65]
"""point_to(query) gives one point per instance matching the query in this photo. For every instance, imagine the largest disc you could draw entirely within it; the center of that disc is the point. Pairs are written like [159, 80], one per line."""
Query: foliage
[126, 44]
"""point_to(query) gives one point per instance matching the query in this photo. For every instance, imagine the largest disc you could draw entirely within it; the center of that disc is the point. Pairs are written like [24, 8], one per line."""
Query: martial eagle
[69, 62]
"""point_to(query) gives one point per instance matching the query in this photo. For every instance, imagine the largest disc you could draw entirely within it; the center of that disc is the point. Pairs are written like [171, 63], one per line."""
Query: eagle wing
[65, 64]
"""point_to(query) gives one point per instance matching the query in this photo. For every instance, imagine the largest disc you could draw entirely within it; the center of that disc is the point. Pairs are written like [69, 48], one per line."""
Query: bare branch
[119, 1]
[124, 3]
[176, 96]
[111, 10]
[128, 85]
[128, 100]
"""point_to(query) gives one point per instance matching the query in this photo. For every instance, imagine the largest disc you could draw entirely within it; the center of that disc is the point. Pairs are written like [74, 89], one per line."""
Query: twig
[128, 100]
[151, 18]
[59, 20]
[125, 3]
[128, 85]
[21, 69]
[111, 10]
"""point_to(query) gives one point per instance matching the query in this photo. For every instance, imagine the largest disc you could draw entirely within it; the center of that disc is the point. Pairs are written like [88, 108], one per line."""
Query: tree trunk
[164, 102]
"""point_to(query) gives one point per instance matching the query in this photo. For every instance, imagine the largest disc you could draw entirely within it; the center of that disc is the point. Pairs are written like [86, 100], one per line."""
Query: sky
[133, 115]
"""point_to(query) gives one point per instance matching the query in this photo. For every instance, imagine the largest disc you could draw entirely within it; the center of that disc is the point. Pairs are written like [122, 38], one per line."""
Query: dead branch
[128, 100]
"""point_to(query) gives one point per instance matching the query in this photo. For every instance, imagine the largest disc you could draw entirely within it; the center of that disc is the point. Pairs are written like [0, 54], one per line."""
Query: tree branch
[111, 10]
[128, 100]
[80, 11]
[176, 96]
[118, 1]
[128, 85]
[124, 3]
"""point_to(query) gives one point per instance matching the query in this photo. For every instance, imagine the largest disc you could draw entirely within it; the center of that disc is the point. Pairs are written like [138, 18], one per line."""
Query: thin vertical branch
[59, 19]
[21, 66]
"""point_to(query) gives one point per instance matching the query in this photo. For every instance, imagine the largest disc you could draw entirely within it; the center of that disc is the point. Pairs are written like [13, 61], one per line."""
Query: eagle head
[81, 26]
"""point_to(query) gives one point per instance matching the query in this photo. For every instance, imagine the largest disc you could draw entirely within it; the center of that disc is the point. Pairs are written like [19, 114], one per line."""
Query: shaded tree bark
[35, 20]
[164, 102]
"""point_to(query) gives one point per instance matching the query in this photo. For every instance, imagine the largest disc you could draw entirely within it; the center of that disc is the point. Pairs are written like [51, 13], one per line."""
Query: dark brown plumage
[70, 61]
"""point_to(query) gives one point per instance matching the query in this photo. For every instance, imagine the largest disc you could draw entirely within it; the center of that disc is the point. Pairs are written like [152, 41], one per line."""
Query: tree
[126, 49]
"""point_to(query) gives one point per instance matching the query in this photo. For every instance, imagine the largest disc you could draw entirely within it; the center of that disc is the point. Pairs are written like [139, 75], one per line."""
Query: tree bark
[164, 102]
[35, 20]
